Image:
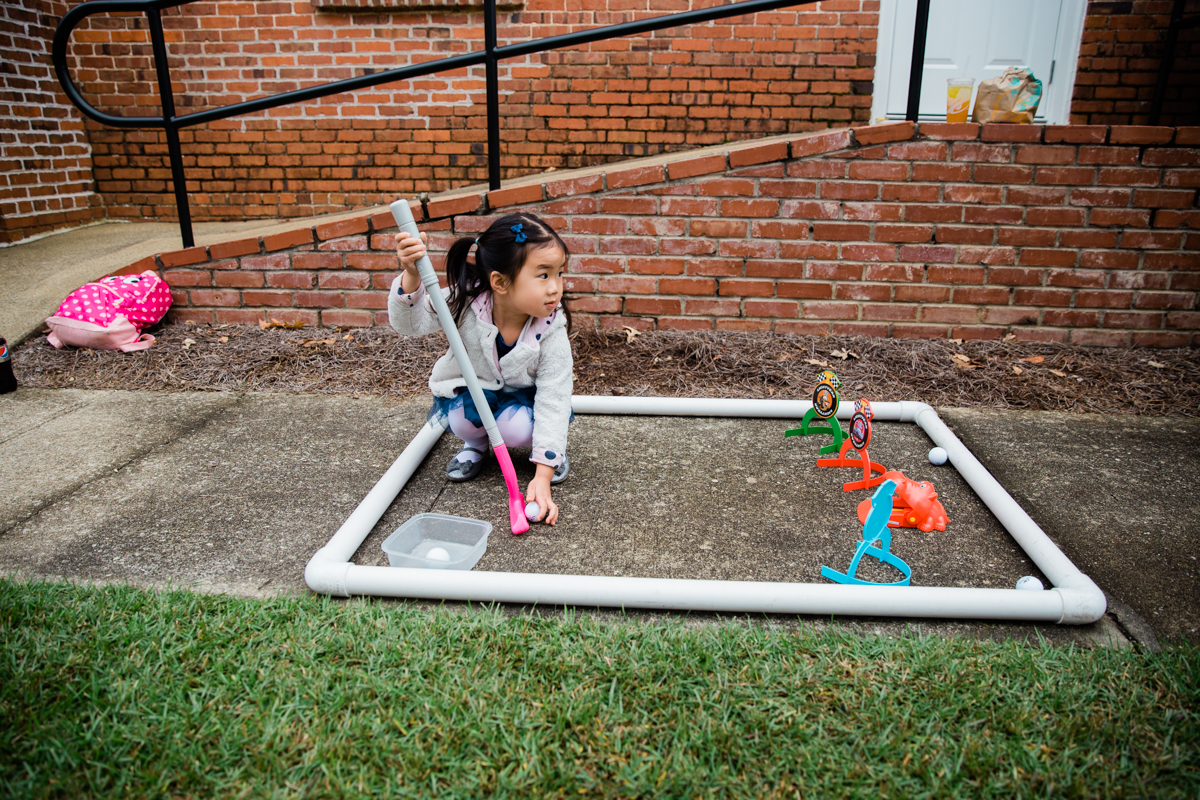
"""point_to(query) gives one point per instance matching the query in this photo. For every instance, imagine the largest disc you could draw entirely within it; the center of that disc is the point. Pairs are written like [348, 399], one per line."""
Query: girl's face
[539, 285]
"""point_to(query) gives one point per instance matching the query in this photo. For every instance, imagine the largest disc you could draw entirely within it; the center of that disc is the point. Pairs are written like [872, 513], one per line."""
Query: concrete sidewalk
[234, 493]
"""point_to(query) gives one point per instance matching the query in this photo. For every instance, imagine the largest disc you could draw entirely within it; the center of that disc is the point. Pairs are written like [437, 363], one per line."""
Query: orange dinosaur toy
[915, 505]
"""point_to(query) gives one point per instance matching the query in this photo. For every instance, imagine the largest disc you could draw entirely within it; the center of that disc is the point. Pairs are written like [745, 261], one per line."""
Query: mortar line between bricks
[71, 491]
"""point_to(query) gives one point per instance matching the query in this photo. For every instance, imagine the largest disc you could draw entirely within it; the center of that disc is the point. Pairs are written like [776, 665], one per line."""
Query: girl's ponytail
[465, 278]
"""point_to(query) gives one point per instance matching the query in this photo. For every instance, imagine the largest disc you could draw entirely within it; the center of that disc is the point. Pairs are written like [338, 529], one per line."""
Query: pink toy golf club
[516, 503]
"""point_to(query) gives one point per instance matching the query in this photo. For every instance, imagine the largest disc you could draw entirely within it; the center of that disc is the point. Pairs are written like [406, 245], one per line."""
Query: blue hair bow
[517, 230]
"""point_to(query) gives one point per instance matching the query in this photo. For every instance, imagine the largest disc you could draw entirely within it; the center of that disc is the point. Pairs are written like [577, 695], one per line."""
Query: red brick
[1123, 217]
[804, 290]
[772, 308]
[1189, 261]
[779, 229]
[632, 205]
[1036, 196]
[1165, 218]
[712, 308]
[910, 193]
[719, 228]
[903, 233]
[807, 250]
[994, 215]
[830, 310]
[849, 191]
[1045, 154]
[893, 312]
[941, 173]
[1187, 137]
[1070, 318]
[1100, 197]
[715, 267]
[974, 151]
[740, 287]
[918, 293]
[1187, 320]
[289, 280]
[343, 280]
[371, 261]
[883, 133]
[757, 325]
[1066, 176]
[950, 314]
[384, 220]
[1022, 237]
[693, 286]
[917, 213]
[267, 298]
[656, 266]
[1076, 277]
[341, 318]
[238, 279]
[1088, 238]
[917, 151]
[894, 272]
[596, 305]
[515, 196]
[453, 206]
[1164, 198]
[684, 324]
[1108, 259]
[1015, 276]
[949, 130]
[1098, 298]
[623, 284]
[689, 206]
[981, 295]
[749, 208]
[605, 226]
[1121, 156]
[188, 277]
[1147, 240]
[826, 142]
[802, 327]
[747, 156]
[1140, 134]
[1116, 176]
[691, 167]
[1039, 335]
[271, 262]
[574, 186]
[943, 273]
[1133, 319]
[972, 193]
[869, 252]
[841, 231]
[951, 234]
[242, 247]
[1175, 301]
[1139, 280]
[919, 331]
[1171, 157]
[1075, 134]
[993, 132]
[182, 258]
[986, 255]
[1159, 339]
[653, 306]
[1002, 173]
[1009, 315]
[876, 171]
[810, 209]
[344, 244]
[340, 228]
[323, 261]
[569, 205]
[638, 176]
[1073, 217]
[238, 316]
[1042, 297]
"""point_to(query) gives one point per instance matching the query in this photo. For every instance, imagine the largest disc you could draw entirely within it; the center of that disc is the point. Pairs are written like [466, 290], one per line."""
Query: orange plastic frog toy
[915, 505]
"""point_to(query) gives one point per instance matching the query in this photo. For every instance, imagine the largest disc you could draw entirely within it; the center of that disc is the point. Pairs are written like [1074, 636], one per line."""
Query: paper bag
[1013, 97]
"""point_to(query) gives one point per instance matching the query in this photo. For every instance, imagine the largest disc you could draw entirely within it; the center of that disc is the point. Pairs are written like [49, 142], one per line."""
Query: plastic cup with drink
[958, 98]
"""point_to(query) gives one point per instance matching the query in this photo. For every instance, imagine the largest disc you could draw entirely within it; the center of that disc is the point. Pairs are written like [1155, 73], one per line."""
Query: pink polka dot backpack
[111, 313]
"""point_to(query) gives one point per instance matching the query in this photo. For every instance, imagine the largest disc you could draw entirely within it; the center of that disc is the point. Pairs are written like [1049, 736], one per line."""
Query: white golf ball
[1031, 583]
[437, 554]
[532, 511]
[938, 456]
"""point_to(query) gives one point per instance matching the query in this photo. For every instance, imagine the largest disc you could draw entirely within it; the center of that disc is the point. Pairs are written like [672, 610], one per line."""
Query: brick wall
[1119, 59]
[1084, 234]
[787, 71]
[45, 160]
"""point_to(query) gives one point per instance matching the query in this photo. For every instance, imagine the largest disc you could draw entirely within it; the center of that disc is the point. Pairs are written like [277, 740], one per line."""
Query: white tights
[516, 426]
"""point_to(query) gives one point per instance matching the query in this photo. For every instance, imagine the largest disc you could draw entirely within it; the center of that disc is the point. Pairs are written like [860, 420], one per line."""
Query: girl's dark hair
[498, 251]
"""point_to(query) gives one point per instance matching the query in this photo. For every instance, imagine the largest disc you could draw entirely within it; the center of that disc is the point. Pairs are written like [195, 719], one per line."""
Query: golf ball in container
[437, 554]
[938, 456]
[532, 511]
[1031, 583]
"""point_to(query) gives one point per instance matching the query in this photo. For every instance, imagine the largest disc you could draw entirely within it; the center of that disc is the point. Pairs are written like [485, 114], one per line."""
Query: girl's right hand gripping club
[516, 503]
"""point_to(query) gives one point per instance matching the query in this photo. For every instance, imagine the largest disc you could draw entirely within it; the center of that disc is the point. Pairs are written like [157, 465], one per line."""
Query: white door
[978, 39]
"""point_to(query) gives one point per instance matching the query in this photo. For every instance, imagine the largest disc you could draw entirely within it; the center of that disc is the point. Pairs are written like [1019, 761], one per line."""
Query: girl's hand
[410, 251]
[539, 492]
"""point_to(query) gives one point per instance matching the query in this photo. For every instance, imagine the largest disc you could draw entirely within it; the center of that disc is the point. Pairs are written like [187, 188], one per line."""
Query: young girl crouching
[505, 291]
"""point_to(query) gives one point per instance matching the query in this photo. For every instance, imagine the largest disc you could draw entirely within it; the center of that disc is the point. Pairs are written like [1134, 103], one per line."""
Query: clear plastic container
[461, 539]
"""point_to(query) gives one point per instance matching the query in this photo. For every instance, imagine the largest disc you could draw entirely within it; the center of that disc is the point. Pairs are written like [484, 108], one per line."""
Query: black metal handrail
[171, 123]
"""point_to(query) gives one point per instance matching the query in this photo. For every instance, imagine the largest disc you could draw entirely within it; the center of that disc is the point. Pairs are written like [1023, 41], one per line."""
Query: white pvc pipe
[1074, 598]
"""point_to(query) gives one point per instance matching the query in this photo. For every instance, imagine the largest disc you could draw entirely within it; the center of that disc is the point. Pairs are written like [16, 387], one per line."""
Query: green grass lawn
[122, 692]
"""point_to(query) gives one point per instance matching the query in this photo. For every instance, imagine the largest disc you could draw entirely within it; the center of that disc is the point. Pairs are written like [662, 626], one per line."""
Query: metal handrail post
[491, 70]
[167, 102]
[916, 70]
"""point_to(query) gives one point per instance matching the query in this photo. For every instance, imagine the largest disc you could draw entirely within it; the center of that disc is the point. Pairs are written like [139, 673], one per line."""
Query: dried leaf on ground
[1035, 359]
[665, 363]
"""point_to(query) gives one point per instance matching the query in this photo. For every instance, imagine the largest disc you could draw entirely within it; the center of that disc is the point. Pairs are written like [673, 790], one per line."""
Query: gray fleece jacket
[540, 358]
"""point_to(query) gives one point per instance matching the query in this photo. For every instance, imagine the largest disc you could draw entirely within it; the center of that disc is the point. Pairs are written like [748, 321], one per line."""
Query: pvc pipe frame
[1073, 598]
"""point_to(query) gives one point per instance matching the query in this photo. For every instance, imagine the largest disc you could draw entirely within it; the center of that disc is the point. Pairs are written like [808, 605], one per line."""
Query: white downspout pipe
[1074, 599]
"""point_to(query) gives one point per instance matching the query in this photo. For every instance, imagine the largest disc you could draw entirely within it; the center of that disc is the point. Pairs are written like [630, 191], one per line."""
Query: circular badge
[863, 406]
[860, 430]
[825, 400]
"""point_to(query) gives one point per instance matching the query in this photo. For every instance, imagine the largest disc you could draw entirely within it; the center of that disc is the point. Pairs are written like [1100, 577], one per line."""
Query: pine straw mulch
[377, 362]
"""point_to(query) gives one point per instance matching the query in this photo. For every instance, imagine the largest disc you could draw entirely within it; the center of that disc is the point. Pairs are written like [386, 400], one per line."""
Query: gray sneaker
[560, 472]
[458, 470]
